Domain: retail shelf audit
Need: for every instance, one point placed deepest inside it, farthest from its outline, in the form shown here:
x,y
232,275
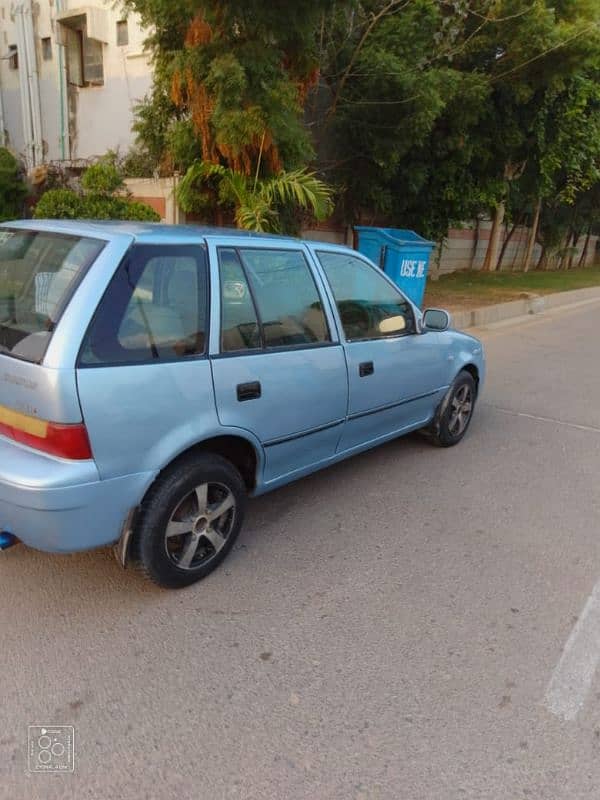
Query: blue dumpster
x,y
401,254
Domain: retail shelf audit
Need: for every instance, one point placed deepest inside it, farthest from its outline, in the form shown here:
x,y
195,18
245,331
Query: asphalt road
x,y
391,628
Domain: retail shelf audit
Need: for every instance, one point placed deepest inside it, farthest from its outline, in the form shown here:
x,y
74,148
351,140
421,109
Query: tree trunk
x,y
434,274
573,248
506,242
575,234
543,259
563,250
586,245
475,243
532,235
491,257
576,237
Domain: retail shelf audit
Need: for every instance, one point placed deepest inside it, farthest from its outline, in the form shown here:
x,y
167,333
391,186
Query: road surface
x,y
413,624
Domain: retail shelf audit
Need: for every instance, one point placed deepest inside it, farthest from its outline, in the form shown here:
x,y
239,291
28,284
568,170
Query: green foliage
x,y
153,117
97,200
257,202
440,112
102,178
568,142
59,204
236,76
137,163
427,113
140,212
181,145
13,189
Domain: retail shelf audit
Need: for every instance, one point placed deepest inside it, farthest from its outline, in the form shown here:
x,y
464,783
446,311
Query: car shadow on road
x,y
97,574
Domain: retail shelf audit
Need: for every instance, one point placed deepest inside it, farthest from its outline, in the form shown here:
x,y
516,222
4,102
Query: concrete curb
x,y
532,304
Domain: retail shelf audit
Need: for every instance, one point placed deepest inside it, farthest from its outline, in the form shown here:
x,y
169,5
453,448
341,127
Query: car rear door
x,y
396,375
143,374
279,369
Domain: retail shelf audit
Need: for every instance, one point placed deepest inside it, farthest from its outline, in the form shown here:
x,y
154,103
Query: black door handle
x,y
366,368
248,391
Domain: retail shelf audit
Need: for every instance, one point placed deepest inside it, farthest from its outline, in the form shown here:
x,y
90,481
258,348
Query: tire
x,y
189,520
449,425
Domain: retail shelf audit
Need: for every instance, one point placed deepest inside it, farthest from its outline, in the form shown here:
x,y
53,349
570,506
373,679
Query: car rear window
x,y
39,272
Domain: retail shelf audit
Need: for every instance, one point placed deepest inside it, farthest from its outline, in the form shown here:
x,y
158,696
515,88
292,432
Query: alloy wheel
x,y
200,525
461,408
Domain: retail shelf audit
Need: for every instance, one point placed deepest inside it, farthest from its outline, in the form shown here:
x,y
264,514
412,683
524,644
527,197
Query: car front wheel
x,y
189,520
455,413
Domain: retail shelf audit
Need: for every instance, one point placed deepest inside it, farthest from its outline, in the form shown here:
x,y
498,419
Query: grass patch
x,y
462,290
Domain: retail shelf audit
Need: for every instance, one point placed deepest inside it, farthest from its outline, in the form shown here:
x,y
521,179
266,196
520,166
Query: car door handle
x,y
248,391
366,368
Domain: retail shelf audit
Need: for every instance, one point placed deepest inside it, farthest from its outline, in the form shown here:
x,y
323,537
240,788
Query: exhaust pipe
x,y
7,540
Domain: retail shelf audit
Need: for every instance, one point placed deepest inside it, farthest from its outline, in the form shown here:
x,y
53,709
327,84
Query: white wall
x,y
101,117
105,113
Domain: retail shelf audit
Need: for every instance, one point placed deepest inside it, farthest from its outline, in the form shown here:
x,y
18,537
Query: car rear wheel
x,y
189,521
455,413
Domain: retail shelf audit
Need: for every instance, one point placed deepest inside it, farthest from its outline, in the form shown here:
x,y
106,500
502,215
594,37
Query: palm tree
x,y
256,201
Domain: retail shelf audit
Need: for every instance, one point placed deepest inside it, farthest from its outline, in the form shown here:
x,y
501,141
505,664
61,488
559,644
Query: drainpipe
x,y
34,84
62,91
2,129
24,88
176,209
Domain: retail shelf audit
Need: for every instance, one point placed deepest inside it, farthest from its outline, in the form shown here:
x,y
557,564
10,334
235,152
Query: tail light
x,y
65,441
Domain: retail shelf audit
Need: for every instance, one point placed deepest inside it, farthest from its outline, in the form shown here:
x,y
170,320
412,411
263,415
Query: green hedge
x,y
68,204
97,200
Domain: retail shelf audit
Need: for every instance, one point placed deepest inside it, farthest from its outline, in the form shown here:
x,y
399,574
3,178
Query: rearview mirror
x,y
436,319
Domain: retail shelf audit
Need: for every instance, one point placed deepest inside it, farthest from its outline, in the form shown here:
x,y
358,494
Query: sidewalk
x,y
532,304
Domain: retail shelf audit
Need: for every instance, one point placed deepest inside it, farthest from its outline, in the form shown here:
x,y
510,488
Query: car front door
x,y
278,369
397,376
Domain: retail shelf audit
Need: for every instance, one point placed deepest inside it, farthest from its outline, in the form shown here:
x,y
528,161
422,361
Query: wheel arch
x,y
473,371
236,449
239,450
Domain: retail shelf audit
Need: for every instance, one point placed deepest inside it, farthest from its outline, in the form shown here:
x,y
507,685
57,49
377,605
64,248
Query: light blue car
x,y
153,377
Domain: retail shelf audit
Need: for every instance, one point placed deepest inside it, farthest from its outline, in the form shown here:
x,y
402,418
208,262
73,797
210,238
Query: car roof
x,y
141,231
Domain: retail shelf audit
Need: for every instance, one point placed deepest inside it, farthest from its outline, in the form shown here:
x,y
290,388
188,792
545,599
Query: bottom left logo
x,y
51,748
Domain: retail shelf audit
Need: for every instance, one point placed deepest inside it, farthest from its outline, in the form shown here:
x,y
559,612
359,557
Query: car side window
x,y
369,307
289,307
155,308
239,322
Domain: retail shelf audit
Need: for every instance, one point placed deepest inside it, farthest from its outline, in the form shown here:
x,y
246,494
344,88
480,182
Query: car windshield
x,y
38,274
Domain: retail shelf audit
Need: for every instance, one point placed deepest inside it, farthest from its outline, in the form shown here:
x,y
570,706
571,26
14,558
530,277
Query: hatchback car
x,y
153,377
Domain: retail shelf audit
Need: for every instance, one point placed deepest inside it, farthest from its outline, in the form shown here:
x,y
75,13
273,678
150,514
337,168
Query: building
x,y
70,77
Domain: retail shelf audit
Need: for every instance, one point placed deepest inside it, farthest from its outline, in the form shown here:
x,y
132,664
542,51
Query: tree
x,y
569,161
230,81
399,113
435,108
229,90
425,113
13,189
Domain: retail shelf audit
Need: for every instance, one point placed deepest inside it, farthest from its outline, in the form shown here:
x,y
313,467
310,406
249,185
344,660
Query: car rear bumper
x,y
63,506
